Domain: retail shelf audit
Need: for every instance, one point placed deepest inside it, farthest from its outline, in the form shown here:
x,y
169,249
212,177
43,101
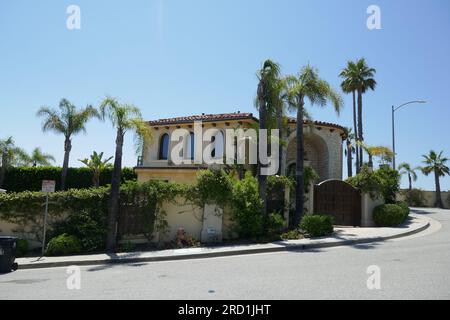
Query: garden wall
x,y
430,198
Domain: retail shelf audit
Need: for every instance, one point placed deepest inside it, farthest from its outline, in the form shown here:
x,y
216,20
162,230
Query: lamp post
x,y
393,125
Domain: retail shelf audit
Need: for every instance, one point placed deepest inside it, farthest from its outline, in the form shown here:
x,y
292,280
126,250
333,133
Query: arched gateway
x,y
340,200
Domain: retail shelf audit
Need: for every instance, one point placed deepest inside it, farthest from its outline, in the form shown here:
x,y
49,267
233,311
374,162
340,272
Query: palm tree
x,y
124,117
97,164
436,163
38,158
10,155
67,121
363,79
267,101
349,85
384,153
308,85
405,168
349,151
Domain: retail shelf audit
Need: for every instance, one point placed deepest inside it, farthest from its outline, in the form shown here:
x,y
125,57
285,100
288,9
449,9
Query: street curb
x,y
247,251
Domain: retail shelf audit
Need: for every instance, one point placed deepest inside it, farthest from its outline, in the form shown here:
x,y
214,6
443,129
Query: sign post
x,y
47,187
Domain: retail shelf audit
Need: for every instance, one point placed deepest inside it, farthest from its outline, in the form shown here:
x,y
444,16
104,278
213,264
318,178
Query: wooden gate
x,y
340,200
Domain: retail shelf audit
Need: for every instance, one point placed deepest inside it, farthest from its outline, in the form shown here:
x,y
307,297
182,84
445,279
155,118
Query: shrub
x,y
292,235
389,215
274,223
18,179
211,187
22,248
62,245
367,182
317,225
88,226
127,246
390,183
246,207
414,197
384,182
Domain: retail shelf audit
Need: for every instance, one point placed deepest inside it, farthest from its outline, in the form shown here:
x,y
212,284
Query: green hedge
x,y
85,210
18,179
317,225
390,215
62,245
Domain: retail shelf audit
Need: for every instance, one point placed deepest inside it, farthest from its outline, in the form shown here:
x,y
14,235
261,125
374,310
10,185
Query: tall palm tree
x,y
266,99
124,117
436,163
68,121
349,85
362,79
308,85
10,155
405,168
39,158
97,164
349,151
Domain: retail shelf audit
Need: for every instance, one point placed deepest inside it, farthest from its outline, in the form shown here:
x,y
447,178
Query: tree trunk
x,y
262,179
355,128
349,160
96,179
114,197
299,189
280,144
410,181
438,203
65,168
360,127
3,169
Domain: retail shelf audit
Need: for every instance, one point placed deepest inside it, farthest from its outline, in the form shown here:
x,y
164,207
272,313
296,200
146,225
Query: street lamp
x,y
393,125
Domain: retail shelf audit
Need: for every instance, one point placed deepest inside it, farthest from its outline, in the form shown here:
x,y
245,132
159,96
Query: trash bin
x,y
8,246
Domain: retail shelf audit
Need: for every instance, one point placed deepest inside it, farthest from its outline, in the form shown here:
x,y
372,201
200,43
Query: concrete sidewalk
x,y
341,237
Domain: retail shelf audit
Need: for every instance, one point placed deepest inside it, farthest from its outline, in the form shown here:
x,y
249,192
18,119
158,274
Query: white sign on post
x,y
48,186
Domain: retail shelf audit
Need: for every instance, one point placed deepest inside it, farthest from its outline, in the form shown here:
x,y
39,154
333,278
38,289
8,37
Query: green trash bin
x,y
8,247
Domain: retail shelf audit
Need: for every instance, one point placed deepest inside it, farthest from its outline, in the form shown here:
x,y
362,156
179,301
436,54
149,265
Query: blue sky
x,y
183,57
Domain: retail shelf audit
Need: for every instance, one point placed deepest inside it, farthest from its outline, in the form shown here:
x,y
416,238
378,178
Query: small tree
x,y
97,164
68,121
436,163
10,155
405,168
307,86
124,117
41,159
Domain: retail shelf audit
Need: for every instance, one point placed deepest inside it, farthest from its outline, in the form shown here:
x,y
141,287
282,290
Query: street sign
x,y
48,186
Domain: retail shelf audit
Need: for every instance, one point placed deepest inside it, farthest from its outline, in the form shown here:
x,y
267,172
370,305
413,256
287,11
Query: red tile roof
x,y
319,123
204,117
229,116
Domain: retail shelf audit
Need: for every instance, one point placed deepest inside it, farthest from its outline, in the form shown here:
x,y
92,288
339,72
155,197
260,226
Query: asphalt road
x,y
416,267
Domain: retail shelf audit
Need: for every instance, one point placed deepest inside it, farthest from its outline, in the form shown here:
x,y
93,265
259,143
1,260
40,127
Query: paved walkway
x,y
342,236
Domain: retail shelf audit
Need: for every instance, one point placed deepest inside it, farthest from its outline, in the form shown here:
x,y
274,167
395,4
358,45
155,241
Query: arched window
x,y
190,147
219,145
164,147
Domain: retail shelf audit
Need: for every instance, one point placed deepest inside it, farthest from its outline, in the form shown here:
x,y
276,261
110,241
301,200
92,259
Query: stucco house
x,y
323,146
323,152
